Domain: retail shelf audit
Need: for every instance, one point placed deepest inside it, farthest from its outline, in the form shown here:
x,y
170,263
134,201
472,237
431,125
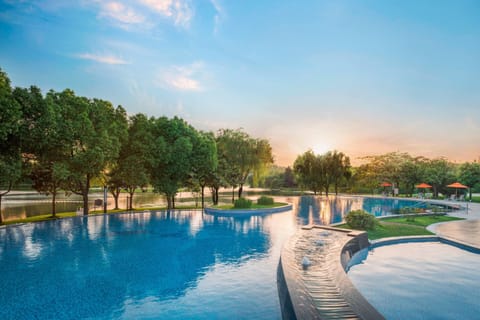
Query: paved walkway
x,y
464,231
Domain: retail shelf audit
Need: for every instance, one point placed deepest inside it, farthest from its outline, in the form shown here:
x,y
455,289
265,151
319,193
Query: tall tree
x,y
91,136
172,153
469,174
42,148
204,161
244,156
10,157
338,168
131,169
309,171
439,173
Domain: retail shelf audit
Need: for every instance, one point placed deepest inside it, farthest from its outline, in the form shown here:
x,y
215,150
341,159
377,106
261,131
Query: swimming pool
x,y
425,280
154,265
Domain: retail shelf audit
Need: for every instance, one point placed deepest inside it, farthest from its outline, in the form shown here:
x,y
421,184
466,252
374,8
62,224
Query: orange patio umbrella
x,y
386,184
457,185
423,186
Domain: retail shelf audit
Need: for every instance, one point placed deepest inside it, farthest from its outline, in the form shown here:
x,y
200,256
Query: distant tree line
x,y
62,142
405,171
319,173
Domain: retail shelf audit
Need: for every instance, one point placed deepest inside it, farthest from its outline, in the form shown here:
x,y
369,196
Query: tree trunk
x,y
212,190
1,216
336,189
216,196
85,203
233,194
169,202
115,198
326,189
173,201
240,190
131,199
54,211
203,196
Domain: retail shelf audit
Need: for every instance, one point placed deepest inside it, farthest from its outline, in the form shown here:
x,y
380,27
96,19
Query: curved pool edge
x,y
247,212
323,290
432,238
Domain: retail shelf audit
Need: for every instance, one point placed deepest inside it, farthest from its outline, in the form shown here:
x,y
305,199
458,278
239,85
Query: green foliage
x,y
264,200
241,155
359,219
10,138
242,203
410,218
317,172
469,174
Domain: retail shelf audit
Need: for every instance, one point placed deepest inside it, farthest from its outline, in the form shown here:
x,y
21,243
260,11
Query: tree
x,y
439,173
91,136
412,171
338,168
244,156
41,145
289,178
469,174
204,161
131,169
10,157
309,171
172,153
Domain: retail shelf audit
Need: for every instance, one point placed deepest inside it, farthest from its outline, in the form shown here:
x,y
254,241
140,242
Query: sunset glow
x,y
361,77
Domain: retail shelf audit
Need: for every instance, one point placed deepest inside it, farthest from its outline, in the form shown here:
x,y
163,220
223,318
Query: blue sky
x,y
362,77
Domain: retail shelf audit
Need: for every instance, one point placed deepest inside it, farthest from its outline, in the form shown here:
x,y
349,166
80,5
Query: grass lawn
x,y
404,226
254,206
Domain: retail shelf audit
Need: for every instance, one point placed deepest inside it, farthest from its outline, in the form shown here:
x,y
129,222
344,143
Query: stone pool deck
x,y
465,231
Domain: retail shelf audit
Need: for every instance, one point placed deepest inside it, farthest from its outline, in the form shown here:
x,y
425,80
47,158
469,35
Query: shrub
x,y
265,201
410,218
360,219
242,203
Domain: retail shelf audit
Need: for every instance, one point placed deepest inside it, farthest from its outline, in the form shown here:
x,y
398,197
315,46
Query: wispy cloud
x,y
121,13
180,11
183,78
219,15
107,59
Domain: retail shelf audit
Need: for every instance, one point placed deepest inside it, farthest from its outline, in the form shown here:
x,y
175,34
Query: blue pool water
x,y
428,280
178,265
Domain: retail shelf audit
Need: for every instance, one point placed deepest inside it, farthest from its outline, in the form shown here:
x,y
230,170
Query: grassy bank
x,y
48,217
254,206
404,226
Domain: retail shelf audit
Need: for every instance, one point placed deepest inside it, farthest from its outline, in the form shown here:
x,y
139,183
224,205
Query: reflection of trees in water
x,y
323,210
92,266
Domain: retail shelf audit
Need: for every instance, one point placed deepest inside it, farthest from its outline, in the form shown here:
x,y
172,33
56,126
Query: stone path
x,y
464,231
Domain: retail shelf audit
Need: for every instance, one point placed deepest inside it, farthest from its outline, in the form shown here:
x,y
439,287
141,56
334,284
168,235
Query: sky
x,y
363,77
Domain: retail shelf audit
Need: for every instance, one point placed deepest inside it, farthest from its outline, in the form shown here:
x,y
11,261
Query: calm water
x,y
428,280
179,265
17,206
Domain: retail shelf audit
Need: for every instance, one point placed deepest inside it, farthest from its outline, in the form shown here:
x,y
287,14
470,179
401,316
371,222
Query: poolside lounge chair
x,y
452,197
461,197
